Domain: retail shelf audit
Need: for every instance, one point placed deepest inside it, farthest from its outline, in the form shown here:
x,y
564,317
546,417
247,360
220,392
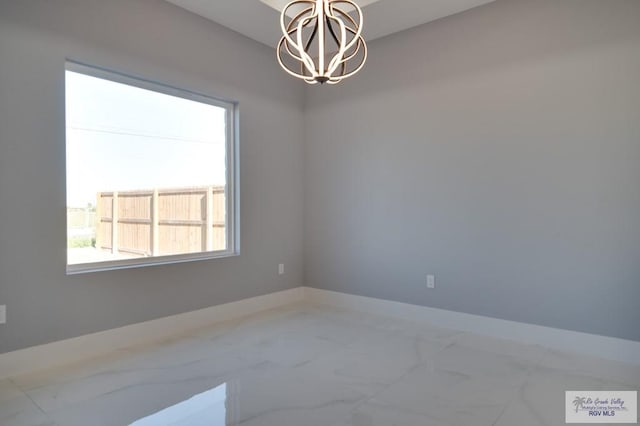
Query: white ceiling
x,y
278,5
257,20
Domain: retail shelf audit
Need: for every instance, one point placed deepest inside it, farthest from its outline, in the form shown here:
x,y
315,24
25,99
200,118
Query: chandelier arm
x,y
289,51
285,43
311,38
360,41
292,54
355,53
306,59
336,60
284,66
302,73
335,38
350,18
321,12
355,36
359,67
345,74
357,8
331,30
297,17
342,44
281,61
285,28
306,48
291,29
346,15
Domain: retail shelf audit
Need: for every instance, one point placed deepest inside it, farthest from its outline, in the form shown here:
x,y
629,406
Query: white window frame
x,y
232,173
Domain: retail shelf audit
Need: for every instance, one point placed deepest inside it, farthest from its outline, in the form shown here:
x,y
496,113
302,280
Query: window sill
x,y
83,268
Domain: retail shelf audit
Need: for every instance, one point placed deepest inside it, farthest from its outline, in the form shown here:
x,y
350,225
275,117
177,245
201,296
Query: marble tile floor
x,y
308,365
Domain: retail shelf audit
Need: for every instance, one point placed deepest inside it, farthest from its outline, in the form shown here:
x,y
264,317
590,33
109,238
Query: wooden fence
x,y
162,222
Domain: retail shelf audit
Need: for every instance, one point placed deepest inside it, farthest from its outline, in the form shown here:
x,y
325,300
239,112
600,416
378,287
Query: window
x,y
151,172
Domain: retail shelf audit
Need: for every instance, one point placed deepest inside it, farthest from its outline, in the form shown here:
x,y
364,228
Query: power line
x,y
143,135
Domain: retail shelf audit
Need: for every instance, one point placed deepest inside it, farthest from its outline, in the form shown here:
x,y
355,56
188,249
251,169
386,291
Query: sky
x,y
121,137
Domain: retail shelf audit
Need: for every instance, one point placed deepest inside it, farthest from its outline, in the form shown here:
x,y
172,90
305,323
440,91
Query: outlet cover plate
x,y
431,281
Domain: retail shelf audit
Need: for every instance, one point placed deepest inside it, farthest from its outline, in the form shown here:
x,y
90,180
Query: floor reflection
x,y
207,408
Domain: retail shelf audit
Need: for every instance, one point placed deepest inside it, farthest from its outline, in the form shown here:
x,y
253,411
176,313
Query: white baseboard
x,y
615,349
96,344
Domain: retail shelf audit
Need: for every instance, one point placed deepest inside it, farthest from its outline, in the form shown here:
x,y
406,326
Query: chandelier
x,y
322,42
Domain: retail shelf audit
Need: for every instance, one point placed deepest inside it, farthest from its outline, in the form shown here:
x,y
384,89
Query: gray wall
x,y
161,42
498,149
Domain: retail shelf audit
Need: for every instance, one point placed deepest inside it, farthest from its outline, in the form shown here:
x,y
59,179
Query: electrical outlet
x,y
431,281
281,269
3,314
